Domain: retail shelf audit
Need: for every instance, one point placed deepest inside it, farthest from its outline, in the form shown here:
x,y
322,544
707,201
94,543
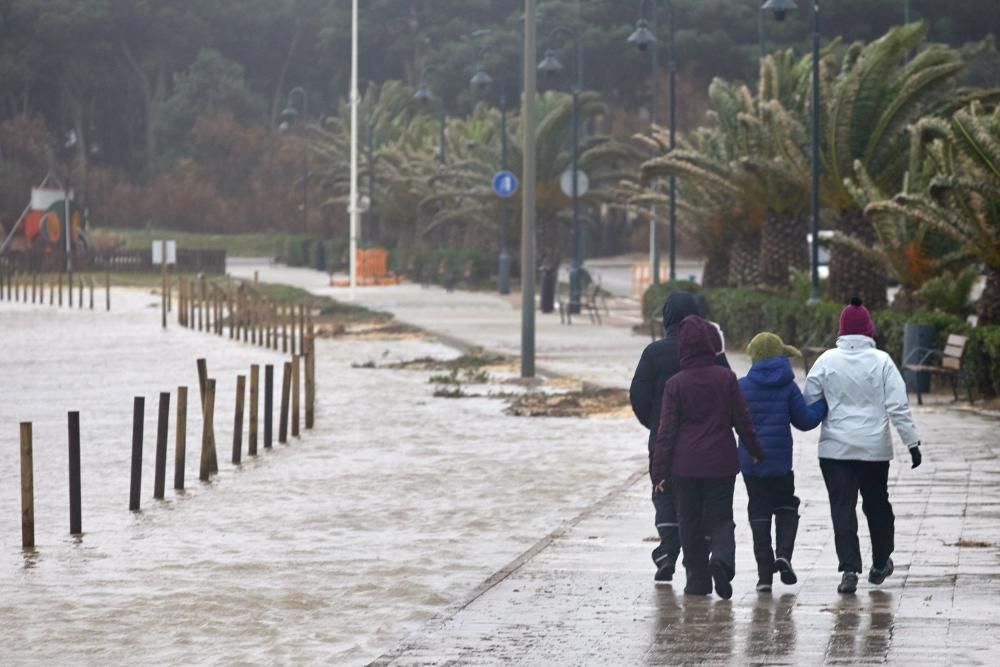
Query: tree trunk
x,y
744,262
716,271
783,246
852,274
989,302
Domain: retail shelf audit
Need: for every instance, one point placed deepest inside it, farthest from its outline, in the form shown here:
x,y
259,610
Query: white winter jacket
x,y
864,392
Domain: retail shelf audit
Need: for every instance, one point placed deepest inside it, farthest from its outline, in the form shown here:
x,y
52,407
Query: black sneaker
x,y
877,575
665,574
763,586
723,587
787,573
848,583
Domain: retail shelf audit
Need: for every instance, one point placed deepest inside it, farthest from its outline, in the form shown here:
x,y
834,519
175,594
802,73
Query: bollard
x,y
207,435
286,381
268,404
252,435
27,489
203,387
162,423
107,292
75,522
310,372
241,382
296,362
180,450
136,483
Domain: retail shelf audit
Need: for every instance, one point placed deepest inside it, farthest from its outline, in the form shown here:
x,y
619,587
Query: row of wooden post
x,y
251,317
209,465
30,288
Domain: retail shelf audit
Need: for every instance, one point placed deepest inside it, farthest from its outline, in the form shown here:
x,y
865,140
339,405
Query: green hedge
x,y
467,267
744,312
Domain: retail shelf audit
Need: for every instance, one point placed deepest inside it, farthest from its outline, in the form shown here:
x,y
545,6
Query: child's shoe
x,y
787,573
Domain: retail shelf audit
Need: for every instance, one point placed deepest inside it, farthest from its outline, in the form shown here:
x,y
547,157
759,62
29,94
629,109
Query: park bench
x,y
945,363
591,301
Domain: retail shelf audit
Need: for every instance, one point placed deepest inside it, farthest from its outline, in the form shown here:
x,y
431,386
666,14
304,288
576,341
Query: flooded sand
x,y
328,550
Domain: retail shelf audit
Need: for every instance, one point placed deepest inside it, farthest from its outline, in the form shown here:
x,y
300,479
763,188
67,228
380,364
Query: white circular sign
x,y
582,183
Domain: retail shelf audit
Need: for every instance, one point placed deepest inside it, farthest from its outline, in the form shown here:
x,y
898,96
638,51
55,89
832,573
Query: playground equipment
x,y
40,238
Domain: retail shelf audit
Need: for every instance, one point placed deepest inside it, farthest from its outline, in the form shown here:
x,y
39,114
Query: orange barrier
x,y
373,269
642,277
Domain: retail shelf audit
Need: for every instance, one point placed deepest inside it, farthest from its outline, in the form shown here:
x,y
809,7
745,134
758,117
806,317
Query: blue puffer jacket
x,y
775,403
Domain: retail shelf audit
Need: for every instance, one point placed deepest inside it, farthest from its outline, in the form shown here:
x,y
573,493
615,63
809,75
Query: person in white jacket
x,y
865,394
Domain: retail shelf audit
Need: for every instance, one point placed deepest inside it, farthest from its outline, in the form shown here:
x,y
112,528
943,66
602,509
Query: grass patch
x,y
239,245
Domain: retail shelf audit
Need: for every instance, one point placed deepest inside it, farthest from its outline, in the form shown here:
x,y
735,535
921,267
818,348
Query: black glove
x,y
915,455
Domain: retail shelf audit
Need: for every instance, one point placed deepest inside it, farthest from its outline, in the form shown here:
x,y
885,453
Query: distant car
x,y
824,252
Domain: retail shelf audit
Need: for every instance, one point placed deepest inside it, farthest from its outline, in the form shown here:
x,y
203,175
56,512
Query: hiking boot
x,y
877,575
848,583
787,573
665,574
723,587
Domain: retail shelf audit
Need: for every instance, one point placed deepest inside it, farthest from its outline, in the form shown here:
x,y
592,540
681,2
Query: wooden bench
x,y
949,364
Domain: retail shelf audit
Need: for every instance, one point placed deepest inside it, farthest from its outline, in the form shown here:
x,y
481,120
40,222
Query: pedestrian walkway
x,y
585,595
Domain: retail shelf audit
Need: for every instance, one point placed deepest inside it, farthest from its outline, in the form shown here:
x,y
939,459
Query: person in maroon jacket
x,y
695,452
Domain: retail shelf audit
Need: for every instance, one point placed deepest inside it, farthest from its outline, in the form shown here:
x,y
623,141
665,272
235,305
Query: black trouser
x,y
705,513
772,496
843,481
666,526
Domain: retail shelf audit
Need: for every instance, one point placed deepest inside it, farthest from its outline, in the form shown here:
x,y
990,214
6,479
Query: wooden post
x,y
80,300
60,290
207,432
75,522
34,286
268,404
286,381
213,459
296,362
254,386
310,379
107,292
302,328
294,341
232,316
27,489
52,293
91,284
180,450
162,423
252,316
135,487
245,307
283,313
241,383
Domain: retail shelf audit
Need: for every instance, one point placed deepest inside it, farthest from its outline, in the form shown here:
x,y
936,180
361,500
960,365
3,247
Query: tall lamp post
x,y
481,82
528,203
780,9
289,118
425,96
550,66
644,38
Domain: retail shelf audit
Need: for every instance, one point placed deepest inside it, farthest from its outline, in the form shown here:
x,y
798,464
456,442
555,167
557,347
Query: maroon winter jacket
x,y
701,406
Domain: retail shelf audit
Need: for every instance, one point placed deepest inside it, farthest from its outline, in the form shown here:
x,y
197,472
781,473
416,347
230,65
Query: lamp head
x,y
481,81
779,8
550,65
423,93
643,37
288,117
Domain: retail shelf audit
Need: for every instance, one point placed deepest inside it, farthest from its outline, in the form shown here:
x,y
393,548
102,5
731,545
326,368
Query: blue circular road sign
x,y
505,184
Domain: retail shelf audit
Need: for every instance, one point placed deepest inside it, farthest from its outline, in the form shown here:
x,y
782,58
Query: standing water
x,y
327,550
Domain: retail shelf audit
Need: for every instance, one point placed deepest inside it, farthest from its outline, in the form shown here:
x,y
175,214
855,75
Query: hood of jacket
x,y
855,342
699,342
773,372
678,306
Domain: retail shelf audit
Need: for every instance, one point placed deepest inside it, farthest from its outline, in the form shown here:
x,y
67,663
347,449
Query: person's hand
x,y
915,456
661,487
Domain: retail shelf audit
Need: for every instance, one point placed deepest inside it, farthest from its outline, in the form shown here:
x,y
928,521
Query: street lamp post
x,y
644,39
550,66
288,118
425,96
780,9
481,82
528,204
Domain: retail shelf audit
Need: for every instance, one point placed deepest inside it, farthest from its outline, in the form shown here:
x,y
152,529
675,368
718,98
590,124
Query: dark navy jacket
x,y
776,404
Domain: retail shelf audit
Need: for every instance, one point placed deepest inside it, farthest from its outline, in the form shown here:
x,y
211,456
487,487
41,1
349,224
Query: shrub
x,y
982,360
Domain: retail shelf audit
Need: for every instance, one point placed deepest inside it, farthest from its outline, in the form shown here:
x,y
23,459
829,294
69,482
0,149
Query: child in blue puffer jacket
x,y
775,403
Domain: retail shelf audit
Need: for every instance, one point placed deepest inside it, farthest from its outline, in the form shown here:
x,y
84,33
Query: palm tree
x,y
963,199
876,95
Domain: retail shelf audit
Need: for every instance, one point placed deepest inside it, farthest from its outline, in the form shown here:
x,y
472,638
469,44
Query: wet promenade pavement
x,y
585,596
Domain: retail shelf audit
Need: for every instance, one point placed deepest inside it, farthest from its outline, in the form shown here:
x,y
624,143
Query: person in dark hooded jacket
x,y
659,362
776,404
695,450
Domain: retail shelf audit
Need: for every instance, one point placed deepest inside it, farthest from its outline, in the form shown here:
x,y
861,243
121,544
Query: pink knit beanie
x,y
855,320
